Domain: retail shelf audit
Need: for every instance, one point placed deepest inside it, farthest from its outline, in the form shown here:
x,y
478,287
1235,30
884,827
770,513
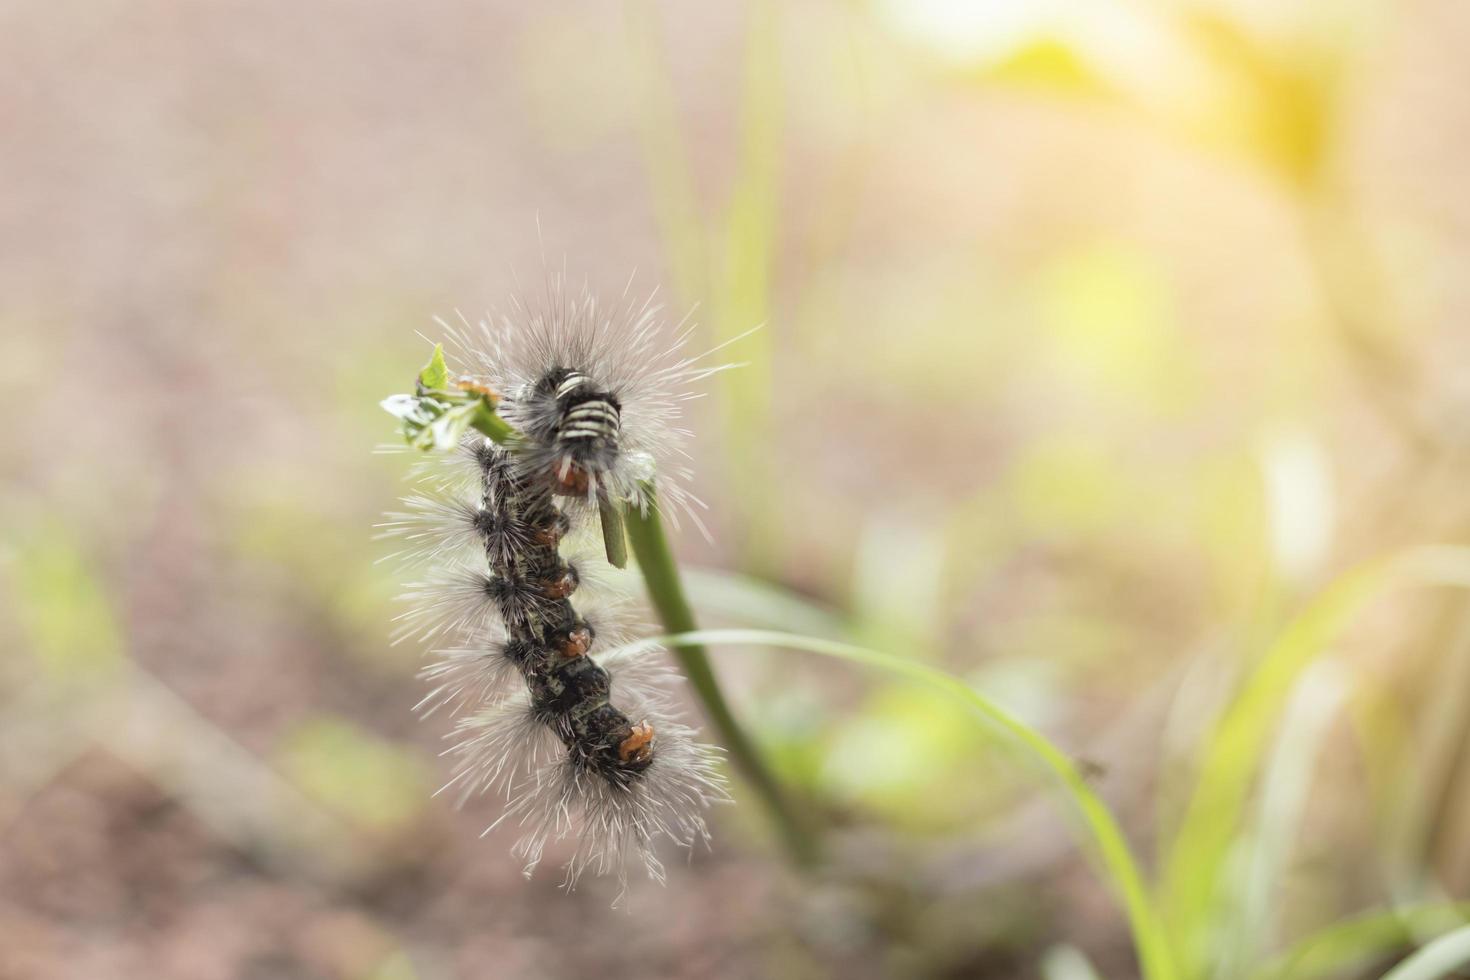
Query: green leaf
x,y
435,375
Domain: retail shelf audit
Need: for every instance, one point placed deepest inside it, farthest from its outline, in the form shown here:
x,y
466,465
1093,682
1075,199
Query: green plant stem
x,y
666,591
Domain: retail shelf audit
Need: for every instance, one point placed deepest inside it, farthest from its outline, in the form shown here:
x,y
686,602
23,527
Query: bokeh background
x,y
1101,341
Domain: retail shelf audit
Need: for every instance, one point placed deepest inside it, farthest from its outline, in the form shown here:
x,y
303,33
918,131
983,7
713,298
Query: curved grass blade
x,y
1112,850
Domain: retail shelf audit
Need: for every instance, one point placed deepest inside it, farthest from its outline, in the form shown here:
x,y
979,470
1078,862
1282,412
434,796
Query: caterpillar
x,y
577,742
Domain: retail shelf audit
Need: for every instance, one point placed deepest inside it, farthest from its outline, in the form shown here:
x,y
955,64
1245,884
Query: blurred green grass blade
x,y
1196,859
750,215
1386,743
743,288
1354,942
1426,765
1118,865
1230,757
1287,785
729,264
1439,959
669,179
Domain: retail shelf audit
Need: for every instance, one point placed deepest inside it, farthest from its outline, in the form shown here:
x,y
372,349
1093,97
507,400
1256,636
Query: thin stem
x,y
666,592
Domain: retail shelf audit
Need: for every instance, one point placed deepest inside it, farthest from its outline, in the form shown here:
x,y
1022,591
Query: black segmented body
x,y
548,642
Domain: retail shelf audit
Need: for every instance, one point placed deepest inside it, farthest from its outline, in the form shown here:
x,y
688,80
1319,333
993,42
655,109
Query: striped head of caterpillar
x,y
583,425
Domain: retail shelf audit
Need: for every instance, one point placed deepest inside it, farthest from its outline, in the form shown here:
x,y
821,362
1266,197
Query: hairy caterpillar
x,y
574,742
